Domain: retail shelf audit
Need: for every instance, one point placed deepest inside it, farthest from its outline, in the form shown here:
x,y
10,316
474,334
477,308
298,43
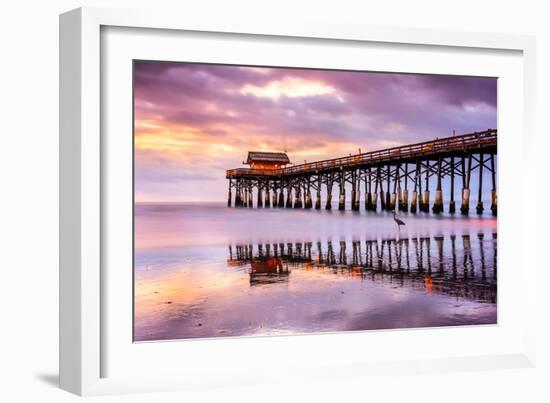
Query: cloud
x,y
204,118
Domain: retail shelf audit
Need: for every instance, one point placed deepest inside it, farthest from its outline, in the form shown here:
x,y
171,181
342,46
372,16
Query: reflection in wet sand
x,y
209,271
405,262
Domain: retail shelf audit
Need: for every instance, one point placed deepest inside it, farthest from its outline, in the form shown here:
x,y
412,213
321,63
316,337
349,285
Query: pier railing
x,y
440,146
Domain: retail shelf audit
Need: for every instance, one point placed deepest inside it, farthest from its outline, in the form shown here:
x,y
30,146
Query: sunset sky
x,y
194,121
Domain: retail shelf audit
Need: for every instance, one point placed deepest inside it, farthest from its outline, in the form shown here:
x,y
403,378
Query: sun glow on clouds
x,y
192,122
288,87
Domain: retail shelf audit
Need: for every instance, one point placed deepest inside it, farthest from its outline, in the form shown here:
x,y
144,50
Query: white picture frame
x,y
83,178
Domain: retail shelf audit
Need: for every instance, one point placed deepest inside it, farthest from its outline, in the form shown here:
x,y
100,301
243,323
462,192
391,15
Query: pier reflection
x,y
463,266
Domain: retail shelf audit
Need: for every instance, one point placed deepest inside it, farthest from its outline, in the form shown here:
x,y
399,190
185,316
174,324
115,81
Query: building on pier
x,y
266,160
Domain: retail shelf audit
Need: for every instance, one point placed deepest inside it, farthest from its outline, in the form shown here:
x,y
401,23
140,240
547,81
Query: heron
x,y
397,221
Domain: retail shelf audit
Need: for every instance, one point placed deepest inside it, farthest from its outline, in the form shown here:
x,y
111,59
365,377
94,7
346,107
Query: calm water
x,y
208,271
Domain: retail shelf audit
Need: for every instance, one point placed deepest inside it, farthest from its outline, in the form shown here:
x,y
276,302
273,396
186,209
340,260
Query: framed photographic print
x,y
239,198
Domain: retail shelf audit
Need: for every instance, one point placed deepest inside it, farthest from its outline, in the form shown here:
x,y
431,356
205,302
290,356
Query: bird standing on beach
x,y
397,221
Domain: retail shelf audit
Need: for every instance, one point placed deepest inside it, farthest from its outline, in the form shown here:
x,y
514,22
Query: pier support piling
x,y
494,188
288,196
479,207
404,197
318,196
388,195
438,202
466,174
274,199
298,197
414,199
342,197
452,206
355,184
330,183
426,198
368,197
308,204
259,200
267,203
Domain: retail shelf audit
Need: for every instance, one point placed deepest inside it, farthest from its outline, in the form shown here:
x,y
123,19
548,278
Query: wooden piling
x,y
259,202
452,206
479,207
396,186
342,197
388,196
404,205
466,174
267,203
426,204
414,199
368,196
318,197
288,195
274,198
308,204
382,194
330,183
438,202
354,190
374,204
494,188
298,196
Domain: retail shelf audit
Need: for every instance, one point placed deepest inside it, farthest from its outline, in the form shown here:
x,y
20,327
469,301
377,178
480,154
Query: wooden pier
x,y
390,179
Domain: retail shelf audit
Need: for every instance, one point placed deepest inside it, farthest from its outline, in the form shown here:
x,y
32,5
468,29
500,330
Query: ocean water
x,y
205,270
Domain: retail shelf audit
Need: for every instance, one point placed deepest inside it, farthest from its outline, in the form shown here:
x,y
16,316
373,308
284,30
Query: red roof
x,y
264,156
